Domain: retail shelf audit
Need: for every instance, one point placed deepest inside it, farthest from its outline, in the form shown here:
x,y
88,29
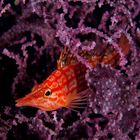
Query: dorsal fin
x,y
103,53
66,58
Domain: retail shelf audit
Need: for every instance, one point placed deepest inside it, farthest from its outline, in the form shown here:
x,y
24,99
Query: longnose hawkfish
x,y
67,86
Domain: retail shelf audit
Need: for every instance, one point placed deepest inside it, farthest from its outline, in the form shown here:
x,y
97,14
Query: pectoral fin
x,y
66,58
76,101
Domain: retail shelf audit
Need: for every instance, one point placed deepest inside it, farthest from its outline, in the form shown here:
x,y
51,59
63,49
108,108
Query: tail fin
x,y
110,55
105,54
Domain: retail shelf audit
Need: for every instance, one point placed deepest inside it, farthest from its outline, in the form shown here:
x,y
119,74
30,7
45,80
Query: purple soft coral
x,y
33,33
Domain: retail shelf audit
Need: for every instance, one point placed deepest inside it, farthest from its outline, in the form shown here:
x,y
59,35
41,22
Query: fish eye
x,y
47,93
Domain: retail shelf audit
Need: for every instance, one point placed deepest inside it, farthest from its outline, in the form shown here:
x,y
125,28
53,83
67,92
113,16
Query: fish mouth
x,y
25,101
21,103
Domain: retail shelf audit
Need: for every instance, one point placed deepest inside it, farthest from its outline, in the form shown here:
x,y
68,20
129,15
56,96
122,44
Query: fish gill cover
x,y
32,35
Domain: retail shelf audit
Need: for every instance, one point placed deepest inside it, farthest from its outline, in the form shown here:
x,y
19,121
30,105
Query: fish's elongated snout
x,y
19,103
25,101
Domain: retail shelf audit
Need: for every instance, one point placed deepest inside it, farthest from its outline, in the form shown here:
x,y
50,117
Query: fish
x,y
59,90
66,87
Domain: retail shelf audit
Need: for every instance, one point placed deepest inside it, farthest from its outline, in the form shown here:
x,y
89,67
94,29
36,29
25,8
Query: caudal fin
x,y
109,55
